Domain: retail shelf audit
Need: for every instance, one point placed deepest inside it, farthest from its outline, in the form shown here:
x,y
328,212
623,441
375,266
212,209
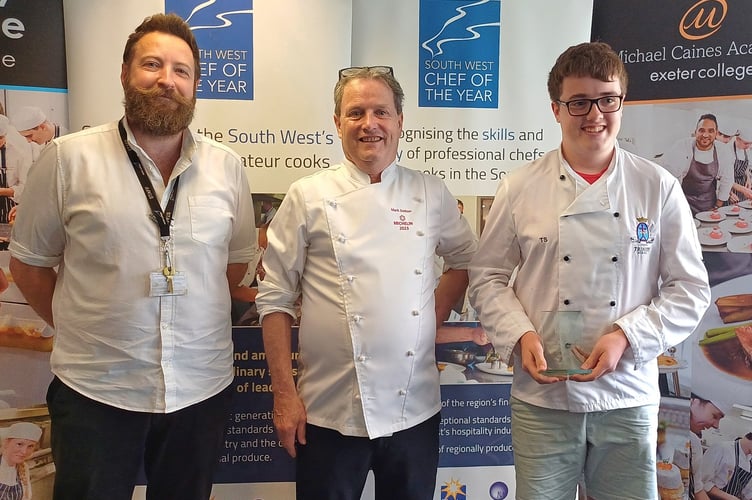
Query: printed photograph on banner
x,y
33,112
224,33
705,145
721,358
465,354
459,54
244,311
672,449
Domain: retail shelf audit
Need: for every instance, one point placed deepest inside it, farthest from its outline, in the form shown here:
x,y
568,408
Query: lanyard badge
x,y
166,281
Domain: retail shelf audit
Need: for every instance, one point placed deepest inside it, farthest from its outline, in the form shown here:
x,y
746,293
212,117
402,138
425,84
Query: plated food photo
x,y
740,245
713,236
711,216
736,225
723,355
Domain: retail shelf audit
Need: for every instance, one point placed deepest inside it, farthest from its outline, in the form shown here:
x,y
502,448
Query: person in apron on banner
x,y
704,166
742,189
727,471
13,168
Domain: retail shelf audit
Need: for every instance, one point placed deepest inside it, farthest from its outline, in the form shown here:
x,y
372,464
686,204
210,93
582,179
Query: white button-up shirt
x,y
85,211
622,251
362,255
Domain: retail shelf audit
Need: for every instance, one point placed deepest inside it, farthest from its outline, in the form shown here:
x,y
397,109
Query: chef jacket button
x,y
614,258
566,302
420,233
361,358
616,214
333,204
411,353
402,392
419,271
357,318
415,312
612,303
350,278
341,238
562,177
566,258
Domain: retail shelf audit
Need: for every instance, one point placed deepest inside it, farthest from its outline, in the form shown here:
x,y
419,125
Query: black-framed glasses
x,y
581,107
379,70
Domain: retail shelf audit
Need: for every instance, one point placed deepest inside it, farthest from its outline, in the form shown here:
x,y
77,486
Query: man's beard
x,y
146,110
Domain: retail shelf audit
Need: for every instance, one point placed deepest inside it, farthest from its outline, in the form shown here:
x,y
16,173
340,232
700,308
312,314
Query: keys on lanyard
x,y
168,270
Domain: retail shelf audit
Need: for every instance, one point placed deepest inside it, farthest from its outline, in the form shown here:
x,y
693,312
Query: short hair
x,y
594,59
368,73
172,24
707,116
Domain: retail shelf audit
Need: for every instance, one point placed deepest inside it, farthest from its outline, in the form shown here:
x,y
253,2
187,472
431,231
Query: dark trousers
x,y
99,449
334,467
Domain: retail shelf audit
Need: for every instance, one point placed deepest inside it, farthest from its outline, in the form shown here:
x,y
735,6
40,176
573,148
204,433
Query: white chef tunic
x,y
362,255
622,251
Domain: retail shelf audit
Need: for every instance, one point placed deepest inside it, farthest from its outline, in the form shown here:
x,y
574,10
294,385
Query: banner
x,y
33,97
688,108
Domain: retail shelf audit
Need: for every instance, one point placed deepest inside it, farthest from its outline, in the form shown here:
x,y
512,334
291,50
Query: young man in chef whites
x,y
357,241
587,284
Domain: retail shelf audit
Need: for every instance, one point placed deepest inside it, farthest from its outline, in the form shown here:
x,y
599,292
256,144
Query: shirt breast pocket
x,y
211,220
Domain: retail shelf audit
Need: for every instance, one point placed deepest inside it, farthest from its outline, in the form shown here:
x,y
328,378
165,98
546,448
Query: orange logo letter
x,y
696,24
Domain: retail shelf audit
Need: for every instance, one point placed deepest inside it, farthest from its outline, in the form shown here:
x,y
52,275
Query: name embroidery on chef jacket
x,y
401,221
643,239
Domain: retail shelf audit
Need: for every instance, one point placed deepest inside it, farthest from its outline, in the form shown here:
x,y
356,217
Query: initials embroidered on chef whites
x,y
643,239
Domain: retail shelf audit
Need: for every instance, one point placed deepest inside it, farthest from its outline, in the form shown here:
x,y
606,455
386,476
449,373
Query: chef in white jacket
x,y
357,243
609,275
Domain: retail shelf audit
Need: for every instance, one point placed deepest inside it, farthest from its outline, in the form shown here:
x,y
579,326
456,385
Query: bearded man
x,y
138,232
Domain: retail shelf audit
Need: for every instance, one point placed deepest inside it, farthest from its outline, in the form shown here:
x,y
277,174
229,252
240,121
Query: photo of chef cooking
x,y
464,354
708,152
704,443
244,297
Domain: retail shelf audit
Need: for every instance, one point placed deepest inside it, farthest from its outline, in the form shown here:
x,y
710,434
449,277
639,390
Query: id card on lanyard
x,y
167,280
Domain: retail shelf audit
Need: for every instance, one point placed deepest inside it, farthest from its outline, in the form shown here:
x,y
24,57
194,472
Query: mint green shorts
x,y
614,451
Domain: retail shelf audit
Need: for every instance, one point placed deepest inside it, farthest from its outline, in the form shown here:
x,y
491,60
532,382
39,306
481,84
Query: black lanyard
x,y
163,218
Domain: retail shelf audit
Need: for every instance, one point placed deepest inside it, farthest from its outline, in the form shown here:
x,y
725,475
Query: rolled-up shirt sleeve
x,y
285,256
38,237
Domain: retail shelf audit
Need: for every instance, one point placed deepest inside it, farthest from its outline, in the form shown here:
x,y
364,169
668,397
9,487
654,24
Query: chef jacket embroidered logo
x,y
643,239
401,221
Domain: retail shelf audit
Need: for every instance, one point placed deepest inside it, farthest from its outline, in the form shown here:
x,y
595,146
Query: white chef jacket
x,y
718,466
17,164
677,159
89,216
697,451
362,255
622,251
